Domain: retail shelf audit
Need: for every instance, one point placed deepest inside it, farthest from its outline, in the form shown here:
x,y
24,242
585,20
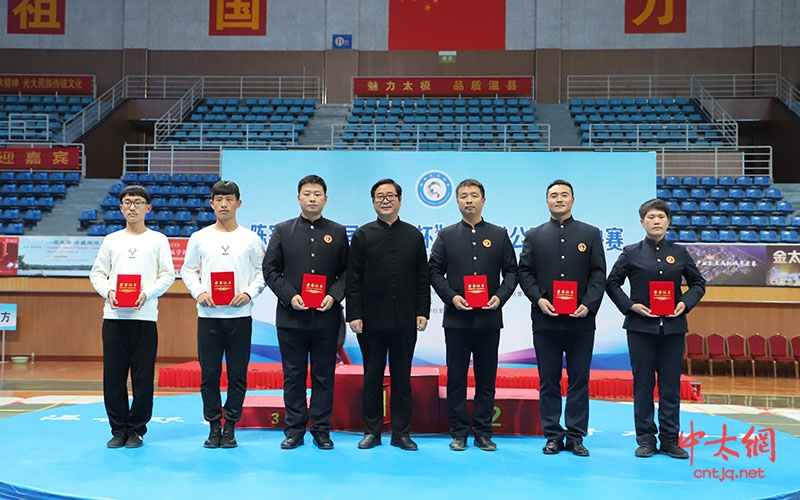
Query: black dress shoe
x,y
553,446
369,441
646,450
404,443
323,441
673,449
118,441
577,448
292,442
485,443
458,444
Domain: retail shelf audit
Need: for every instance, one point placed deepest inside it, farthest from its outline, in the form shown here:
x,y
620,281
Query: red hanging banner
x,y
36,17
655,16
46,84
40,159
237,18
440,86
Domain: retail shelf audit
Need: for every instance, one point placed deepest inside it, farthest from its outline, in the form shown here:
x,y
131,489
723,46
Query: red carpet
x,y
603,384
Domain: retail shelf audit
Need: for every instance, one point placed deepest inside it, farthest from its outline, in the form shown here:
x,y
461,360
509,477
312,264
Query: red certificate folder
x,y
476,291
128,287
565,296
222,288
662,298
313,291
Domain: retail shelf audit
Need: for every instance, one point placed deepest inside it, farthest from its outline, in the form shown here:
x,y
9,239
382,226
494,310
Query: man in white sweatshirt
x,y
132,269
222,270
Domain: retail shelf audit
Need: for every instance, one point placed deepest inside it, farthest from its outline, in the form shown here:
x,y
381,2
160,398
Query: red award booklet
x,y
222,288
662,298
128,286
476,291
313,291
565,296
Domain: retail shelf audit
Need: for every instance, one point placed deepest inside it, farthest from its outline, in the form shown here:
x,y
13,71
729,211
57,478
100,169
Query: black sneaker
x,y
458,444
214,435
118,441
134,440
672,449
646,450
228,439
485,443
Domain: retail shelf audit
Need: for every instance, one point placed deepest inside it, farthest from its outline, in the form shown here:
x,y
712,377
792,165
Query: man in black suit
x,y
563,249
388,302
308,244
472,247
655,343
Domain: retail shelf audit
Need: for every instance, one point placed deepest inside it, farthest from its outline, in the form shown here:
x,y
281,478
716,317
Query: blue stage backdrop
x,y
609,187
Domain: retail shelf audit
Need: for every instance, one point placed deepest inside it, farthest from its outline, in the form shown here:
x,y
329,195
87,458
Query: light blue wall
x,y
309,25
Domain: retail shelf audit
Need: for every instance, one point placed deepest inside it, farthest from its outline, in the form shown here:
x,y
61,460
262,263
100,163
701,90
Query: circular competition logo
x,y
434,189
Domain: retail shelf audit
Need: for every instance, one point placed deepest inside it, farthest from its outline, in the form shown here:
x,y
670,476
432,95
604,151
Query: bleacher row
x,y
647,122
445,124
728,209
36,117
25,197
180,204
254,122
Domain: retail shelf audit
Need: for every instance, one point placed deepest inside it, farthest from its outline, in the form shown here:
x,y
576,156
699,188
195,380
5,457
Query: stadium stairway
x,y
563,132
63,221
318,131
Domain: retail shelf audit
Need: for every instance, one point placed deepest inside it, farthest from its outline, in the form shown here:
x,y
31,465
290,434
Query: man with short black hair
x,y
569,253
299,249
224,259
388,302
472,248
136,260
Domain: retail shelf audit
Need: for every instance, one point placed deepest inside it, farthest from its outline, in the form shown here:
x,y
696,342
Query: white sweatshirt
x,y
147,254
210,250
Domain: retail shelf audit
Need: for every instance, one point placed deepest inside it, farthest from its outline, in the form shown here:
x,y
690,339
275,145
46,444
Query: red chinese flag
x,y
313,291
662,298
476,291
127,292
447,24
565,296
222,288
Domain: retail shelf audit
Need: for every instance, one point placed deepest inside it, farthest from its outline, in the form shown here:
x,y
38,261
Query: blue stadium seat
x,y
778,221
773,194
708,206
769,236
171,231
718,194
673,181
210,178
663,193
708,181
175,203
761,181
748,236
727,207
690,181
736,193
183,217
754,193
699,194
747,206
765,206
689,206
709,236
785,207
680,194
32,217
164,216
15,229
205,218
187,230
744,180
699,221
740,221
726,180
720,221
680,221
687,236
790,236
671,235
97,230
728,236
759,221
673,206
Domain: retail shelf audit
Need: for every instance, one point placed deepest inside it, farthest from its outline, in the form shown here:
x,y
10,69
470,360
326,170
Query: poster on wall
x,y
515,184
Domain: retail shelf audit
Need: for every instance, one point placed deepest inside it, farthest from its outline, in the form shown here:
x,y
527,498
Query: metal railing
x,y
672,135
238,87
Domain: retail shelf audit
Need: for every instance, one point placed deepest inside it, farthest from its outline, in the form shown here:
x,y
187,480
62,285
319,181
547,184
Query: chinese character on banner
x,y
655,16
237,18
36,17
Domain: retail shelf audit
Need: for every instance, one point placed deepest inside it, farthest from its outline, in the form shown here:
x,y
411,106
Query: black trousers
x,y
296,346
656,355
129,346
375,344
482,345
577,346
231,337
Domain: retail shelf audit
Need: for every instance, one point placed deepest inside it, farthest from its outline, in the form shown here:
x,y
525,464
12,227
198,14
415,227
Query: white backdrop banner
x,y
609,187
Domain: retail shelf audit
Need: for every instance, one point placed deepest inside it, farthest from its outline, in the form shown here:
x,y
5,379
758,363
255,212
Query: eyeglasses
x,y
135,203
380,198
